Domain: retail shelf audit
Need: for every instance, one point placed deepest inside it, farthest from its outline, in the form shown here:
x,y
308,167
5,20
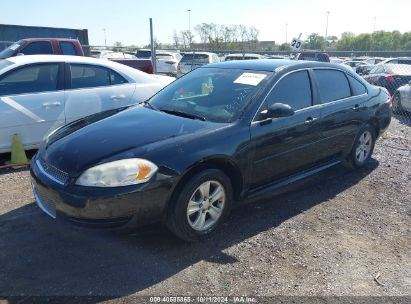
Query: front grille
x,y
52,172
44,202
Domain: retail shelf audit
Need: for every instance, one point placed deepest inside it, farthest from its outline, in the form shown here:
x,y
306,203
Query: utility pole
x,y
189,27
105,38
153,50
326,29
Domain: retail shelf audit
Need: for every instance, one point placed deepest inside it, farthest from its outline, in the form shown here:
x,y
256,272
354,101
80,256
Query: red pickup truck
x,y
63,46
34,46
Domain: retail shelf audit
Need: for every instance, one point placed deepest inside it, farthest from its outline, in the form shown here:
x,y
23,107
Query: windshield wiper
x,y
183,114
146,103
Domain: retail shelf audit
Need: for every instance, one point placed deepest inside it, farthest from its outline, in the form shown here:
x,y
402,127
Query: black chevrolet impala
x,y
221,134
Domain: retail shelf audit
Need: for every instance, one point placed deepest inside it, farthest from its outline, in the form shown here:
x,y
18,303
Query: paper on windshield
x,y
250,78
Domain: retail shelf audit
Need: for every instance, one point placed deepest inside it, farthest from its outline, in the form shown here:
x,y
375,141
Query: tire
x,y
362,149
396,103
205,215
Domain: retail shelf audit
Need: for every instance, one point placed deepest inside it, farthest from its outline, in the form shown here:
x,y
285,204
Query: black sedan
x,y
221,134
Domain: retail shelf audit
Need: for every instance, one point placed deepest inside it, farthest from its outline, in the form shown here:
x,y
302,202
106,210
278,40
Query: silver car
x,y
402,98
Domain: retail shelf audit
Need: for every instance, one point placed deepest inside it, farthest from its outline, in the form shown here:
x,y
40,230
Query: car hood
x,y
101,138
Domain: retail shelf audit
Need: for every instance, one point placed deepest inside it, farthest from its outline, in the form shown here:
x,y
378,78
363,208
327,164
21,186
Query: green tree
x,y
314,42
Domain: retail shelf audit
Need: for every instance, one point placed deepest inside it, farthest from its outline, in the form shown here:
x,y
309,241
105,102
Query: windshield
x,y
212,94
9,51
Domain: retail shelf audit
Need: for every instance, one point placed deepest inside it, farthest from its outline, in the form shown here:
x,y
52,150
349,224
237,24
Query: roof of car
x,y
269,65
52,58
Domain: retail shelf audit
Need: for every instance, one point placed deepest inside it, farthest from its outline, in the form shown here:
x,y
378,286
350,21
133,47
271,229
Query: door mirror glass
x,y
277,110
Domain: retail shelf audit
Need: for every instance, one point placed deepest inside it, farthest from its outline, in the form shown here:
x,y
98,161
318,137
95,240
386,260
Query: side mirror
x,y
278,110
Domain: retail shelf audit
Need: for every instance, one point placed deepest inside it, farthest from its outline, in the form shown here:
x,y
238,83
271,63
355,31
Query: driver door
x,y
284,146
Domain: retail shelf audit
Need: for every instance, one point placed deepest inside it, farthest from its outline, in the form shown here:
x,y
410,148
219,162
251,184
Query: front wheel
x,y
362,149
203,203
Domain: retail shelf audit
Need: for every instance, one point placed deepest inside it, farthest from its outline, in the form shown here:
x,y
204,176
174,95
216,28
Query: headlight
x,y
118,173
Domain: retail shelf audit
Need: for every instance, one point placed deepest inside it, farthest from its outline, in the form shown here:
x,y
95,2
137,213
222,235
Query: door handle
x,y
356,107
51,104
310,120
117,97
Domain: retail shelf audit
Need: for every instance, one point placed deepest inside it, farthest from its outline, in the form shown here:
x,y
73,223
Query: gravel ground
x,y
330,235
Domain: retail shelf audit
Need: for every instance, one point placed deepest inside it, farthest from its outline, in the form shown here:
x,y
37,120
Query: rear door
x,y
284,146
342,98
31,103
93,89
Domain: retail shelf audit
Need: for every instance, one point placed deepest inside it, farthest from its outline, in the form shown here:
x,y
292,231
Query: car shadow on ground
x,y
41,257
404,118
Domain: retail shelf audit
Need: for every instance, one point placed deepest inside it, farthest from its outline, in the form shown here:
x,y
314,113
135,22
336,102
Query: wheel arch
x,y
224,164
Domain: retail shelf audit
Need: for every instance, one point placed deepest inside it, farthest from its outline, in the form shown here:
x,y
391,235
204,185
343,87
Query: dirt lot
x,y
331,235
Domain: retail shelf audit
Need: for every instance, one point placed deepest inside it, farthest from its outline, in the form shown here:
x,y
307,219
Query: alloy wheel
x,y
206,205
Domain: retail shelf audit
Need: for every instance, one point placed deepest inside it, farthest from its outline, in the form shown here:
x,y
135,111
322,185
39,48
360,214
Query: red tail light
x,y
178,67
390,78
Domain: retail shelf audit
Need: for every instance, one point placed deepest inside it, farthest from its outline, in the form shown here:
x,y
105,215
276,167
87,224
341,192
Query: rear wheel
x,y
203,203
362,149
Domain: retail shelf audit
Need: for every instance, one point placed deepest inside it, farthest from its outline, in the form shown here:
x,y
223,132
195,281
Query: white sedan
x,y
40,93
402,99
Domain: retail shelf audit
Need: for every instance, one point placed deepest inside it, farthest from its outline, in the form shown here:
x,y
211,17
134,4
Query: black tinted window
x,y
40,47
68,48
116,78
30,79
332,84
356,86
87,76
294,90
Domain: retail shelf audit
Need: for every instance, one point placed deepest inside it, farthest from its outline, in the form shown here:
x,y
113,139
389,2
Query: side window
x,y
88,76
116,78
40,47
294,90
332,85
68,48
30,79
356,86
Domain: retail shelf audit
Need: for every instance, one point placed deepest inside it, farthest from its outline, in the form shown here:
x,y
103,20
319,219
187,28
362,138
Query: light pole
x,y
189,27
189,20
326,29
105,38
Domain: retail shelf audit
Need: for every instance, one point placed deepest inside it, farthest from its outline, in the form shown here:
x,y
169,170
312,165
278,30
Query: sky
x,y
127,21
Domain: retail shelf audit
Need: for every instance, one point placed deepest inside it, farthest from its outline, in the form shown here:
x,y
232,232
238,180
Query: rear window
x,y
38,47
143,54
67,48
313,57
201,58
398,69
356,86
164,56
332,84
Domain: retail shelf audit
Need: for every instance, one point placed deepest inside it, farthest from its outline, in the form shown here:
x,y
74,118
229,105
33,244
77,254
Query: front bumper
x,y
101,207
